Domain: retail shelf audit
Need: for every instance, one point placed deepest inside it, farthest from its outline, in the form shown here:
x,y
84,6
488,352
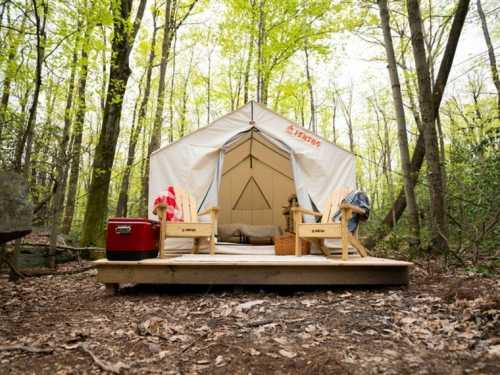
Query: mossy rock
x,y
16,210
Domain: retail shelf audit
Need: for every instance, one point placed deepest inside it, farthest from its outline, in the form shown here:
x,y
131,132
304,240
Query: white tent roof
x,y
194,162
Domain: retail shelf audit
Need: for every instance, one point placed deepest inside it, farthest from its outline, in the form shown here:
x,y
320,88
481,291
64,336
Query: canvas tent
x,y
248,162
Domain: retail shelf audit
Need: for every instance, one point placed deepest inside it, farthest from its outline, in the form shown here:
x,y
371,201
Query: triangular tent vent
x,y
251,198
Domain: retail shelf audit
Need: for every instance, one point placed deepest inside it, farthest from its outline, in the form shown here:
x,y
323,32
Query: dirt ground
x,y
66,324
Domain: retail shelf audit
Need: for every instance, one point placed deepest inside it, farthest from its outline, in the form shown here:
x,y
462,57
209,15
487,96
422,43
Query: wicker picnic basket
x,y
285,245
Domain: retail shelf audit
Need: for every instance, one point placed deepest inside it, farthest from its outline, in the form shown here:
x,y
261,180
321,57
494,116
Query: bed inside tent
x,y
249,163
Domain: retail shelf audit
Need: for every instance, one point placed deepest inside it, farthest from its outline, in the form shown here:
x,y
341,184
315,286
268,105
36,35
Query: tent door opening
x,y
257,180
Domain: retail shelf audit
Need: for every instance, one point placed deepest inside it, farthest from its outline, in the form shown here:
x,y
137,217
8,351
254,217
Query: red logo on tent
x,y
296,132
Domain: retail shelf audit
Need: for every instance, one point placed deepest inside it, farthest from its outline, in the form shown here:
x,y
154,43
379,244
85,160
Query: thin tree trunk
x,y
334,117
260,44
312,122
209,87
10,65
77,136
491,54
397,97
25,143
41,153
334,131
347,112
121,206
165,52
417,159
438,213
104,67
266,79
4,103
246,76
185,97
61,162
171,94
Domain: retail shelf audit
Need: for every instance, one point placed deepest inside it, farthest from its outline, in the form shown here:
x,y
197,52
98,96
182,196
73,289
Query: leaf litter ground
x,y
66,324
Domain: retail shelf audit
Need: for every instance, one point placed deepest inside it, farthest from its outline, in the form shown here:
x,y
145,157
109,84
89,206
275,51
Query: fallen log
x,y
63,247
41,273
25,348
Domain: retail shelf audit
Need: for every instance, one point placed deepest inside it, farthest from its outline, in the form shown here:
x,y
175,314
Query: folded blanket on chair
x,y
174,211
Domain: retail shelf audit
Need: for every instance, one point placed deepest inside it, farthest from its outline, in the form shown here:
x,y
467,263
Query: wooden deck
x,y
254,269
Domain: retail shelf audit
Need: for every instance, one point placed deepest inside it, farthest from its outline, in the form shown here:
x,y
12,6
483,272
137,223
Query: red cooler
x,y
132,238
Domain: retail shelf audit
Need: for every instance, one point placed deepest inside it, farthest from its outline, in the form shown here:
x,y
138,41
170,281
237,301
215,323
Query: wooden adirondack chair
x,y
191,227
327,229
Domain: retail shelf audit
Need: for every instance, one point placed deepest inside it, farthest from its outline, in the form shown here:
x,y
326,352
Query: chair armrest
x,y
306,211
355,209
209,210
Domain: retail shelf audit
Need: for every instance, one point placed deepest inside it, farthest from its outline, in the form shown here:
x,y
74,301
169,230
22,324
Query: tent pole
x,y
251,113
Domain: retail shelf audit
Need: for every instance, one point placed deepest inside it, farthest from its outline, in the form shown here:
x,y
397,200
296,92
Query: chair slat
x,y
186,212
192,208
327,212
334,203
337,197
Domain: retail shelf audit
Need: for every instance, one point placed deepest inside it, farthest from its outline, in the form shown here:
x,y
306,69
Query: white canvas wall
x,y
195,161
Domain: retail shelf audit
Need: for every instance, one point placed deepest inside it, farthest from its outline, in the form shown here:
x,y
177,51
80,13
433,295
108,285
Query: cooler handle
x,y
123,229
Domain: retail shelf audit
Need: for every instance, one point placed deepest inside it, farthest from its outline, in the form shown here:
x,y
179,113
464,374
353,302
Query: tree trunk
x,y
24,145
185,97
97,203
439,225
347,109
77,135
62,161
246,75
334,118
121,206
312,122
104,67
411,201
7,82
491,54
417,159
265,87
209,87
172,92
4,103
260,54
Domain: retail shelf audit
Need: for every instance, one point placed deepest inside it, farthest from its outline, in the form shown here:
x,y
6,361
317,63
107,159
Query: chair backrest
x,y
187,204
333,203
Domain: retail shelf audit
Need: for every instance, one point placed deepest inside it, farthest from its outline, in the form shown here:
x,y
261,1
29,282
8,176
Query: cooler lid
x,y
131,220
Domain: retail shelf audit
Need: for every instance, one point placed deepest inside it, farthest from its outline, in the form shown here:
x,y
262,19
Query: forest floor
x,y
66,324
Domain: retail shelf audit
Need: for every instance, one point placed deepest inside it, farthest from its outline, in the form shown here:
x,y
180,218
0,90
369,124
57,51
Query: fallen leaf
x,y
248,305
287,354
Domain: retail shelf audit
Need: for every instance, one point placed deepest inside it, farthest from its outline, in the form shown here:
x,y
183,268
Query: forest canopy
x,y
89,88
